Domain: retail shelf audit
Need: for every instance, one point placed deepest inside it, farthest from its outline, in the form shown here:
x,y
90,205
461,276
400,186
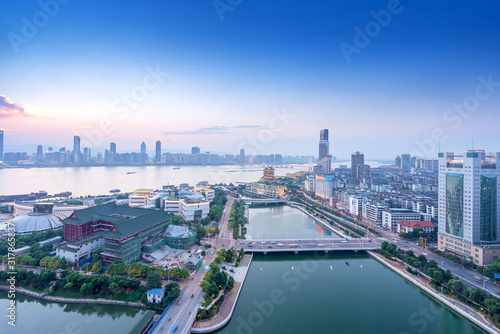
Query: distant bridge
x,y
263,201
308,245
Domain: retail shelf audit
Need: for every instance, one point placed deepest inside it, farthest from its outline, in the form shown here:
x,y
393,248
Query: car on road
x,y
255,243
175,328
280,244
263,242
212,253
273,242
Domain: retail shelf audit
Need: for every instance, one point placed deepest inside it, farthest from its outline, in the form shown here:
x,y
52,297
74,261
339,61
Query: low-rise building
x,y
391,217
179,237
406,226
155,295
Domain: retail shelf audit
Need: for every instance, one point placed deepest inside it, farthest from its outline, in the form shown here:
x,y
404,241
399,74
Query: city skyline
x,y
417,93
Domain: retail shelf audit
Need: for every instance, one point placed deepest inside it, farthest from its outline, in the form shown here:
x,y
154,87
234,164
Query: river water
x,y
41,317
345,293
82,181
284,222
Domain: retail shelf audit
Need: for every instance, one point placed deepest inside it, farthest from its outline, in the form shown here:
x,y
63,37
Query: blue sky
x,y
222,82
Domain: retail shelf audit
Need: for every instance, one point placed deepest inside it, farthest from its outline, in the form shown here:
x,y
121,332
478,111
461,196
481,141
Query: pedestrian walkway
x,y
423,283
227,308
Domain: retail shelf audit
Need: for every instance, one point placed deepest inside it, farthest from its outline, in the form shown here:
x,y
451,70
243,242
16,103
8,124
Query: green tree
x,y
44,261
87,289
96,267
153,280
96,254
114,288
68,286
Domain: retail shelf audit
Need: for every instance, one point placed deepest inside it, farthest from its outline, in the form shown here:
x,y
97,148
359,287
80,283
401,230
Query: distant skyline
x,y
187,74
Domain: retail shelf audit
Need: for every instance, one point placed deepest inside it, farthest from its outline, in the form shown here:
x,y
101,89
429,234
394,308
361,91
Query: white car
x,y
263,242
273,242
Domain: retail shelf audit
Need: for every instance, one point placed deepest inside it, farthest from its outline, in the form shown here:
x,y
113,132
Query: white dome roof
x,y
36,222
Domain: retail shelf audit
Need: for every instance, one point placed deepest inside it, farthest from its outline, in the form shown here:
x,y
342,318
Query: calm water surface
x,y
342,293
281,222
42,317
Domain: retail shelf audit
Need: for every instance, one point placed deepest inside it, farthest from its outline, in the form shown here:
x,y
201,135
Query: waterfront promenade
x,y
422,283
230,300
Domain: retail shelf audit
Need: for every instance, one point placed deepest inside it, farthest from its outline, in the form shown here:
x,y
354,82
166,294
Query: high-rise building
x,y
39,153
397,162
195,150
76,149
324,145
469,193
158,152
143,148
357,159
112,148
242,155
1,145
405,161
87,155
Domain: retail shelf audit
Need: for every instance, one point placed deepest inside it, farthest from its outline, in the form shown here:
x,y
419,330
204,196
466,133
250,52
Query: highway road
x,y
183,312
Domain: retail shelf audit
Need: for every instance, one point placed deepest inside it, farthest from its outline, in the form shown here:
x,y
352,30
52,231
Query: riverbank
x,y
421,283
227,309
72,300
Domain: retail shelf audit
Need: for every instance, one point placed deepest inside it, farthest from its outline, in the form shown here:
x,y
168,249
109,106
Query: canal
x,y
42,317
284,222
336,293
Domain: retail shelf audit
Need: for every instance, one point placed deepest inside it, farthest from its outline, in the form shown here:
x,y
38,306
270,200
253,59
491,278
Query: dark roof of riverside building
x,y
126,220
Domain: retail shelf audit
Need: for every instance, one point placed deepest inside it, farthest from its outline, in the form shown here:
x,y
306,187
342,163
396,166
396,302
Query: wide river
x,y
83,181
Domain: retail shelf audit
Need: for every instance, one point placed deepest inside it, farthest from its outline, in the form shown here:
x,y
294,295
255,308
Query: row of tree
x,y
237,219
30,239
445,280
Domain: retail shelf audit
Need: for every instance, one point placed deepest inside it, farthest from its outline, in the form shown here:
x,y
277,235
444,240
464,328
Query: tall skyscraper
x,y
324,145
143,148
357,159
76,149
1,145
469,190
87,155
242,155
195,150
405,161
158,152
397,162
39,153
112,148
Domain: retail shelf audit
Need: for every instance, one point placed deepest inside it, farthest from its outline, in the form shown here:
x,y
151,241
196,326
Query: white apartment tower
x,y
469,190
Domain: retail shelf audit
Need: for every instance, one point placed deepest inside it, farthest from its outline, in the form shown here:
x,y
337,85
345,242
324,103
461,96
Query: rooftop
x,y
178,231
414,224
158,292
